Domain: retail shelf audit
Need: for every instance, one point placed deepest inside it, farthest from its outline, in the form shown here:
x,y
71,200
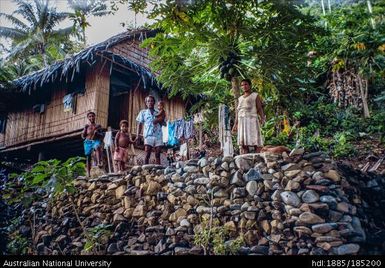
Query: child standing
x,y
122,142
92,135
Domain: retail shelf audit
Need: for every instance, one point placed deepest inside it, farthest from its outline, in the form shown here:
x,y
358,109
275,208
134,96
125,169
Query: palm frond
x,y
25,9
101,13
19,48
15,21
11,33
63,32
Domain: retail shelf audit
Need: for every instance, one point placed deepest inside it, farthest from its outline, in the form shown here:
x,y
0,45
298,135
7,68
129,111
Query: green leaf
x,y
37,169
71,189
88,246
39,178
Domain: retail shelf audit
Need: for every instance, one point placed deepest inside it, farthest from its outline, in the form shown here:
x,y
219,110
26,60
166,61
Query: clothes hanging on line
x,y
172,140
69,102
179,128
165,133
225,130
108,141
189,131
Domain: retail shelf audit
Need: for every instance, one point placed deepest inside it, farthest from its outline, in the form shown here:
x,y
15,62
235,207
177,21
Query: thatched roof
x,y
67,69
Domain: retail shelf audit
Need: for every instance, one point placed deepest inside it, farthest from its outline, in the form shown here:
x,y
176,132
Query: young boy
x,y
122,142
92,135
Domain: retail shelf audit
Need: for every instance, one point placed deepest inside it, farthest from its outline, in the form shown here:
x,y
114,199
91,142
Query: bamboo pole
x,y
364,95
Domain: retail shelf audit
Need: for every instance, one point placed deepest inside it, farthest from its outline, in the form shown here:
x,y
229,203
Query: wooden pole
x,y
108,160
200,136
108,152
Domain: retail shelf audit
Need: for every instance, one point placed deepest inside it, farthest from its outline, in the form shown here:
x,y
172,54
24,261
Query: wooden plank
x,y
45,140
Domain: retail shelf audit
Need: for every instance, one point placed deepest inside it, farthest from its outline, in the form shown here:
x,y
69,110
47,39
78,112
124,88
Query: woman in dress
x,y
249,119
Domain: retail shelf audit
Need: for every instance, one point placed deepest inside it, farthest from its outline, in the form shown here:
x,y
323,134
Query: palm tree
x,y
33,28
138,6
23,67
82,10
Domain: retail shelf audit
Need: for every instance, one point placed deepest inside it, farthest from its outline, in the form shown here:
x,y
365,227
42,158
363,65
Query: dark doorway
x,y
121,84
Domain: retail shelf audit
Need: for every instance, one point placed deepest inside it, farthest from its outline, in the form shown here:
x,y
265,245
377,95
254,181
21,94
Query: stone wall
x,y
279,204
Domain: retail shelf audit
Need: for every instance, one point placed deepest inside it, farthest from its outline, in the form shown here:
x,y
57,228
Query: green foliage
x,y
355,39
53,176
34,29
342,147
96,237
376,124
270,37
271,133
17,244
322,126
82,10
211,237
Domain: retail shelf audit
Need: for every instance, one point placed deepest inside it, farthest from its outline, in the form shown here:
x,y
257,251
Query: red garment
x,y
121,154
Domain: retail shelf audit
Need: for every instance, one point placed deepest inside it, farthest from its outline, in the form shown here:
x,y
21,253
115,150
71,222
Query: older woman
x,y
249,118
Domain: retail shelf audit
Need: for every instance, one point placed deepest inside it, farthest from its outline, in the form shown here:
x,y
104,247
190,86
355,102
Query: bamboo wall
x,y
98,81
131,50
28,126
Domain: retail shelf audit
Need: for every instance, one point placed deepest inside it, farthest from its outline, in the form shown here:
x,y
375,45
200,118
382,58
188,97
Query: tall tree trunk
x,y
371,12
324,11
84,37
329,6
363,84
43,54
235,90
323,7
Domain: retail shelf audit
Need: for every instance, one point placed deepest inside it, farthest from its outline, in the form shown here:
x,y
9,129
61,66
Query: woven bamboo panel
x,y
132,51
100,84
28,125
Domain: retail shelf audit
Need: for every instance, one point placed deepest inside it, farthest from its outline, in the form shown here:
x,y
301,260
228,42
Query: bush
x,y
211,237
96,237
342,147
50,176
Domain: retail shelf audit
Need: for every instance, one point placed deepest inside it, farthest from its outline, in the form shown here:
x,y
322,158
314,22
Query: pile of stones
x,y
291,204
